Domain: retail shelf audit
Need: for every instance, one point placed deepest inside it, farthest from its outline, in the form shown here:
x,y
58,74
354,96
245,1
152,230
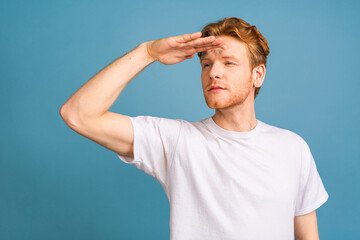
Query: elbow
x,y
64,112
67,116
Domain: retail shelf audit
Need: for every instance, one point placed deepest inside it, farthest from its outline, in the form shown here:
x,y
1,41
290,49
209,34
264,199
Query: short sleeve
x,y
312,193
155,141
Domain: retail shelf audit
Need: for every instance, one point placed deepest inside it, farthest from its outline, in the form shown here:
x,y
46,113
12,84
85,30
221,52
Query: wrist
x,y
145,48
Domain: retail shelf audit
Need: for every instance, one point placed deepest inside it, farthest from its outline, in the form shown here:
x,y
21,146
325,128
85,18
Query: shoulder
x,y
157,121
156,127
285,135
195,127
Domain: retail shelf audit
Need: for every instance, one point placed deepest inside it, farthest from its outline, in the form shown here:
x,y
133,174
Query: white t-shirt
x,y
228,185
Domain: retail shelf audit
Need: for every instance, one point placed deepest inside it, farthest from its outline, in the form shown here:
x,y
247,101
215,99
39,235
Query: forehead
x,y
230,47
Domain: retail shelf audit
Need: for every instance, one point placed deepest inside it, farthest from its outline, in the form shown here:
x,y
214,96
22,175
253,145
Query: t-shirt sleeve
x,y
155,141
312,193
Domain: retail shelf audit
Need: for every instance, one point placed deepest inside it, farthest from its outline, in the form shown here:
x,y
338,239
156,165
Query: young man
x,y
229,176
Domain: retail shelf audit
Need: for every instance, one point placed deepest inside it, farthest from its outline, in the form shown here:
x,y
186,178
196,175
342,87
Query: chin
x,y
231,100
224,104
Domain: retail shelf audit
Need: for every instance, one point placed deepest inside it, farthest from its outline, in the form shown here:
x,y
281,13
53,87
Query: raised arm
x,y
86,111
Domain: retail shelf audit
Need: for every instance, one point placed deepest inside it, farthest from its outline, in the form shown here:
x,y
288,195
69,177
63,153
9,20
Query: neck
x,y
238,118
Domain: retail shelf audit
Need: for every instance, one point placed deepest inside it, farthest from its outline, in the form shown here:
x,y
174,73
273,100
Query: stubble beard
x,y
216,102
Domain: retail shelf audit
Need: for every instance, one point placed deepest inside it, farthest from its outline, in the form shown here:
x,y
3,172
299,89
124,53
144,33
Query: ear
x,y
258,75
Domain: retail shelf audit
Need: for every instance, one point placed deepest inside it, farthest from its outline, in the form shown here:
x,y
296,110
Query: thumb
x,y
190,56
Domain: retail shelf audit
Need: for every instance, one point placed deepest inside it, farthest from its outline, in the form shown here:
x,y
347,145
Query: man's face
x,y
227,66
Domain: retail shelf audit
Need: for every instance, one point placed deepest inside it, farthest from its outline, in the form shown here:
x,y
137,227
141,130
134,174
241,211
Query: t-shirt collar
x,y
227,133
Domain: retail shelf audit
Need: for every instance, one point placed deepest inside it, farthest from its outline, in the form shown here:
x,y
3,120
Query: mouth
x,y
216,89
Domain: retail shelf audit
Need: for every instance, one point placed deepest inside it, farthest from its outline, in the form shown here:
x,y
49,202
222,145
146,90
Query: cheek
x,y
241,84
204,82
246,77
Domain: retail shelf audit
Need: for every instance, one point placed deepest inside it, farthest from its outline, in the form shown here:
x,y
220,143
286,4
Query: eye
x,y
229,63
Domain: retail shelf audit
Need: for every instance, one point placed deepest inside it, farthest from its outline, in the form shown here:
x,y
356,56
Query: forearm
x,y
97,95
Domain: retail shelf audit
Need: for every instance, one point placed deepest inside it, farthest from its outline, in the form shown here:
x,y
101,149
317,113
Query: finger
x,y
193,50
203,42
203,49
187,37
190,56
211,44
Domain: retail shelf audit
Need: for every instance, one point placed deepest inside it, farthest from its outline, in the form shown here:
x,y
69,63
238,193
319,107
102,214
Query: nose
x,y
216,71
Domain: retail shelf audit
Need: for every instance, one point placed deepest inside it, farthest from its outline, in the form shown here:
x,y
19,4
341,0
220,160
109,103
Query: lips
x,y
216,87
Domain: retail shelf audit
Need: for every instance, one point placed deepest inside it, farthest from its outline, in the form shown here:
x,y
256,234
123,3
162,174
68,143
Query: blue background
x,y
57,184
